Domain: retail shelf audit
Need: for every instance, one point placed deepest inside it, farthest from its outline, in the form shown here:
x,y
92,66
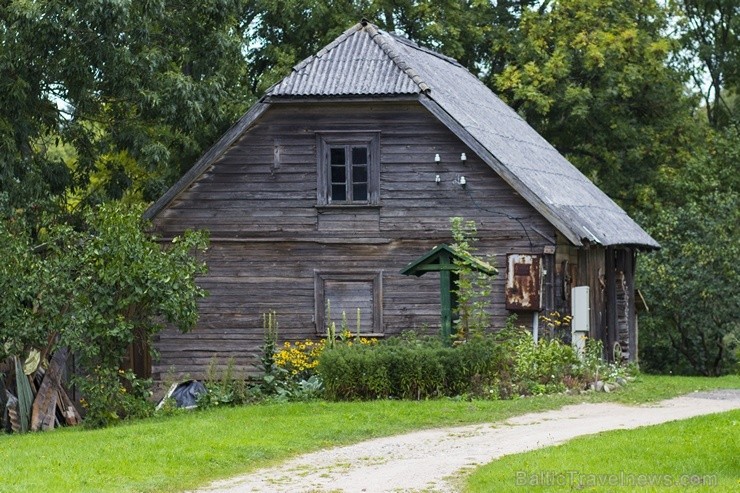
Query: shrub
x,y
112,395
541,367
410,369
497,366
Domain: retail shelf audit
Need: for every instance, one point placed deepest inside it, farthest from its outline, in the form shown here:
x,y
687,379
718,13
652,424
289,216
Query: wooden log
x,y
67,407
44,406
14,420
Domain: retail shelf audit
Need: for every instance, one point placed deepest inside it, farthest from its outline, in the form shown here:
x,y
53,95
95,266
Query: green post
x,y
445,293
440,259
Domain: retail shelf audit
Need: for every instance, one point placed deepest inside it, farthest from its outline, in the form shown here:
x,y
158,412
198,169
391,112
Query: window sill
x,y
334,207
363,335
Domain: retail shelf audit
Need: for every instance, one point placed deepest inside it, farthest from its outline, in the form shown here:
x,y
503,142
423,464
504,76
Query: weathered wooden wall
x,y
612,288
268,238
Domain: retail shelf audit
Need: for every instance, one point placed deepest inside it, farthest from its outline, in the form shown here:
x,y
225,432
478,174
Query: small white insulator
x,y
463,157
437,179
437,158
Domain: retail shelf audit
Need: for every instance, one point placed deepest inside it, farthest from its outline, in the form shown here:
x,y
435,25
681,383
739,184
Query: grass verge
x,y
185,451
693,455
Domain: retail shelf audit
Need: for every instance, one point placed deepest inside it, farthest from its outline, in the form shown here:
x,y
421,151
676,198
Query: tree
x,y
711,38
475,32
133,90
95,291
592,77
692,283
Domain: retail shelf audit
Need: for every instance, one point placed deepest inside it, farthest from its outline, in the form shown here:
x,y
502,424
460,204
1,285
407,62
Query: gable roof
x,y
366,61
439,258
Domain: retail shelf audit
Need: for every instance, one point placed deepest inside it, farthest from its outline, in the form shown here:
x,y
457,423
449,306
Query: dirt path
x,y
426,460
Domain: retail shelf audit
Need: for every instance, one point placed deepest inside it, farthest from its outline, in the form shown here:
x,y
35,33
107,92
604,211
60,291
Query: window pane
x,y
359,192
338,193
359,174
359,155
337,155
338,174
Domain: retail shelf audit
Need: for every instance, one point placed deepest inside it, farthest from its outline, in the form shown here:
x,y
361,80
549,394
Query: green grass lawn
x,y
698,454
189,450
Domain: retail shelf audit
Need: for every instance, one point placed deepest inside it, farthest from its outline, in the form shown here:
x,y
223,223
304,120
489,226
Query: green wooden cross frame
x,y
442,259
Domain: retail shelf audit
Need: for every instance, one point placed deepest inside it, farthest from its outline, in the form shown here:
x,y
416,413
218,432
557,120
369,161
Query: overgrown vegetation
x,y
96,289
113,101
495,366
472,288
691,283
109,102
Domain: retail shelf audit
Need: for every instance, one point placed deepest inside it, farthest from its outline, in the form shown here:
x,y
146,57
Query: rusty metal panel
x,y
523,282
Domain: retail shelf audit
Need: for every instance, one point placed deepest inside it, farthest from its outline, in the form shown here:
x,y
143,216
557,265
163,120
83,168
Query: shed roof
x,y
366,61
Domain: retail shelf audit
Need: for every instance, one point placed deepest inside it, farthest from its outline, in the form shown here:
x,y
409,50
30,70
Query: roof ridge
x,y
376,35
414,45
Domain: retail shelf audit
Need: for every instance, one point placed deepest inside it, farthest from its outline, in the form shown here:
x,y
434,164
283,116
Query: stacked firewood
x,y
33,396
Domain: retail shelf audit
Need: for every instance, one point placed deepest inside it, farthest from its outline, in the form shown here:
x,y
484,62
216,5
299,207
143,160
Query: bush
x,y
540,368
112,395
497,366
410,369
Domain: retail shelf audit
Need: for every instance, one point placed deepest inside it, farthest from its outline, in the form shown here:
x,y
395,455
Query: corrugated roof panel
x,y
566,192
355,65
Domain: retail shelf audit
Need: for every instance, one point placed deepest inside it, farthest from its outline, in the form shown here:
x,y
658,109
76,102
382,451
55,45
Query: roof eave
x,y
207,159
512,180
344,98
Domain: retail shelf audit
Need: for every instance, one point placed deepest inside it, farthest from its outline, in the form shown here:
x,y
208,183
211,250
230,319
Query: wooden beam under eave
x,y
612,334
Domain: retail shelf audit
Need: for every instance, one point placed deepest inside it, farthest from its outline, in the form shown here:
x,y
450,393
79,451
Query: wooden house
x,y
349,169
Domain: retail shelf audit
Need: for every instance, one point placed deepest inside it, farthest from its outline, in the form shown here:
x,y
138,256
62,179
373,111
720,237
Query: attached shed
x,y
348,169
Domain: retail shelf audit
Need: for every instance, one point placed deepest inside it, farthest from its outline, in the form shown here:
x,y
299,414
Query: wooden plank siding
x,y
269,238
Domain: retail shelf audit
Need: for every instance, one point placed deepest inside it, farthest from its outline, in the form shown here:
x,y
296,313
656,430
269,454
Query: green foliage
x,y
95,291
593,368
712,55
472,288
541,368
690,283
487,366
475,32
225,386
288,373
126,284
111,395
592,77
132,91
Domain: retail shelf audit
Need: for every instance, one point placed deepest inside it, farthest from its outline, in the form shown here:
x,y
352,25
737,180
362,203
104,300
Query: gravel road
x,y
430,460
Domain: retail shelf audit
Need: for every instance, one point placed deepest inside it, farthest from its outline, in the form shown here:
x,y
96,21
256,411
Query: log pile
x,y
33,396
